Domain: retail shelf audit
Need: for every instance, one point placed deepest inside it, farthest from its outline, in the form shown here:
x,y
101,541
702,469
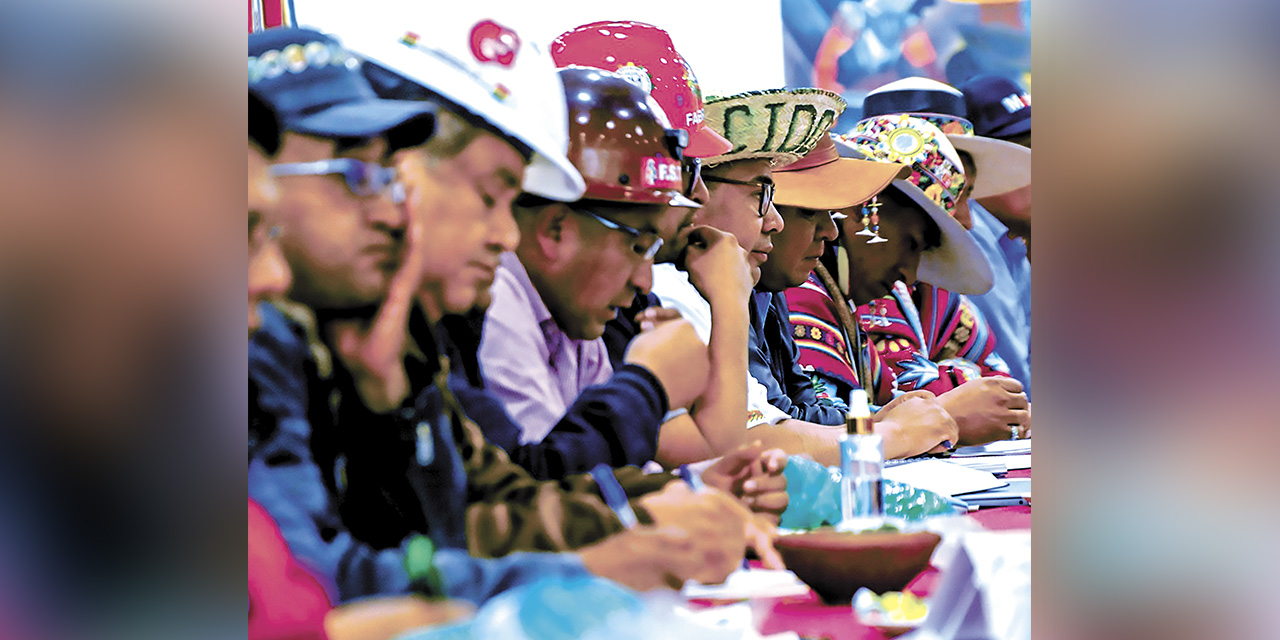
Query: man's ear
x,y
552,233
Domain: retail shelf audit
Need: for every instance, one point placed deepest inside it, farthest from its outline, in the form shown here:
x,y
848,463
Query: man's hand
x,y
987,409
674,354
374,352
714,520
754,475
654,316
915,423
389,617
644,558
717,266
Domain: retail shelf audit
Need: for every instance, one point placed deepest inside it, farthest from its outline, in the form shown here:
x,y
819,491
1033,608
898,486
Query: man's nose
x,y
826,227
387,210
772,221
269,274
642,277
700,193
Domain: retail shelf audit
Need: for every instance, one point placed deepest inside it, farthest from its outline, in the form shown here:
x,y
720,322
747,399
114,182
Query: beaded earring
x,y
881,317
871,221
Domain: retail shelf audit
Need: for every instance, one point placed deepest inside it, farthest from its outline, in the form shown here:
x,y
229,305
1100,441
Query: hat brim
x,y
364,118
1002,166
706,143
957,264
846,182
1012,129
754,131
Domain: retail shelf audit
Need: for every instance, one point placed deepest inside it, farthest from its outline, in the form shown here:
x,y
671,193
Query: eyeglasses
x,y
766,190
364,179
646,252
692,171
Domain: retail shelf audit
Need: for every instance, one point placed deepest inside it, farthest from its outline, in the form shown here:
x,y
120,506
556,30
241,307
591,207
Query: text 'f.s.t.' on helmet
x,y
621,140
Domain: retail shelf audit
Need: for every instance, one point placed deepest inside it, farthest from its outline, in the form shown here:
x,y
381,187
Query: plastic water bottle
x,y
861,469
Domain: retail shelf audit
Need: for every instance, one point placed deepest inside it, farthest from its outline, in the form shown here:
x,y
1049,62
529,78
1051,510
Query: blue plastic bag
x,y
549,609
813,493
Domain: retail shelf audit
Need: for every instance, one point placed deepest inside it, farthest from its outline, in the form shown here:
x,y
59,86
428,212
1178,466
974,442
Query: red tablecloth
x,y
810,618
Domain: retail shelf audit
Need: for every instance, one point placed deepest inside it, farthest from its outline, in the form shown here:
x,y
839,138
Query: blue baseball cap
x,y
317,88
998,107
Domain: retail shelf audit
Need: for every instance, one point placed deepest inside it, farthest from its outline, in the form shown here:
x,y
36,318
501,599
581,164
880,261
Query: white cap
x,y
859,404
478,64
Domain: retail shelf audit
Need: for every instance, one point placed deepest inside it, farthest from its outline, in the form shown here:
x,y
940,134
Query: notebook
x,y
1017,492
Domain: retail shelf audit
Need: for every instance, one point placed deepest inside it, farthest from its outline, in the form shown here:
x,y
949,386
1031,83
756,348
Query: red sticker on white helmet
x,y
492,42
657,172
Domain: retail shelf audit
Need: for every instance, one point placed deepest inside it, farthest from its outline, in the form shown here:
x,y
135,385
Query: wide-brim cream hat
x,y
936,178
1002,166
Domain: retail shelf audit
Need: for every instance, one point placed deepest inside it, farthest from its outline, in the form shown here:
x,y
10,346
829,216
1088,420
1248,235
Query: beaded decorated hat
x,y
1002,166
935,183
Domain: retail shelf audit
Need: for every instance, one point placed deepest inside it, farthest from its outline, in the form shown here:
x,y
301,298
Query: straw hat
x,y
778,125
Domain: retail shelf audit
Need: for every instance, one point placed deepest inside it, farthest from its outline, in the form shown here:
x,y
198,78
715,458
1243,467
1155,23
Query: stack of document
x,y
942,477
990,464
997,448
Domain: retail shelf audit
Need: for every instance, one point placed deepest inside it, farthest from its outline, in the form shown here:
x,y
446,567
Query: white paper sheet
x,y
994,464
749,583
942,477
997,448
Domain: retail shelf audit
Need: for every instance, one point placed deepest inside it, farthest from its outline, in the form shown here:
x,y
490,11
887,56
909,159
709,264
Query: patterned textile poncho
x,y
925,338
933,339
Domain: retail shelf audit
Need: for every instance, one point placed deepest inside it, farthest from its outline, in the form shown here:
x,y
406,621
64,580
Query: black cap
x,y
316,87
998,107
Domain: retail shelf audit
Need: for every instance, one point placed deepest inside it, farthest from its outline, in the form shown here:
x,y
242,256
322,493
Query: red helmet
x,y
643,54
621,141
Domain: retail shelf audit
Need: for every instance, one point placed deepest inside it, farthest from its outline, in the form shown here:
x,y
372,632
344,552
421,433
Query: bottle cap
x,y
858,420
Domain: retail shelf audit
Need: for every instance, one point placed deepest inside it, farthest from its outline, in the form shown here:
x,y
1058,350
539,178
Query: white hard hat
x,y
481,66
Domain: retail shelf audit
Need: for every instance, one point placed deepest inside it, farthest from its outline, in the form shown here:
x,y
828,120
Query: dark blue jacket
x,y
615,423
774,361
349,500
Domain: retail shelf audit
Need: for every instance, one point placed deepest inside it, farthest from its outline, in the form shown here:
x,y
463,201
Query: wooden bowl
x,y
836,564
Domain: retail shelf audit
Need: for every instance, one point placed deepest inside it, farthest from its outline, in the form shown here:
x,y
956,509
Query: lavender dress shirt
x,y
528,362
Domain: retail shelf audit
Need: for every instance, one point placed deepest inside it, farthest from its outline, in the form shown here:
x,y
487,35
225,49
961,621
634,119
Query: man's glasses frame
x,y
693,170
766,189
648,253
363,179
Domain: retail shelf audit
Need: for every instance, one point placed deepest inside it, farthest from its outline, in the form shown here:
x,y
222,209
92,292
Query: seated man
x,y
954,344
740,205
578,262
286,601
598,426
626,47
671,86
807,193
1002,224
902,232
355,469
